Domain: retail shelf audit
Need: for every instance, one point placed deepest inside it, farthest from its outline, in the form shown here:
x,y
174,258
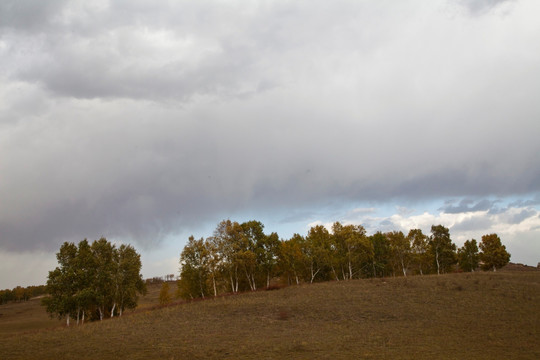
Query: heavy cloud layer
x,y
135,120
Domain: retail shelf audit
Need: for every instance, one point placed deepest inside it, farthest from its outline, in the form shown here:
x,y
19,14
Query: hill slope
x,y
480,315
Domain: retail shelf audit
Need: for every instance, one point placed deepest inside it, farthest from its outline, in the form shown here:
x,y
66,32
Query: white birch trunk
x,y
112,310
249,280
335,273
313,275
67,320
437,261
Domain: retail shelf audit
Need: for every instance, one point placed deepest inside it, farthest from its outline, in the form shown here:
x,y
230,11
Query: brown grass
x,y
458,316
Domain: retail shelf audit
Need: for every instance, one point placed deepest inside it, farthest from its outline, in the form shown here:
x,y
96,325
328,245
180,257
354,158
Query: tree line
x,y
241,257
20,293
93,281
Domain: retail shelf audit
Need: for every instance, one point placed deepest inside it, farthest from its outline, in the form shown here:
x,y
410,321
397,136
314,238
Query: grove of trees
x,y
20,293
94,280
240,257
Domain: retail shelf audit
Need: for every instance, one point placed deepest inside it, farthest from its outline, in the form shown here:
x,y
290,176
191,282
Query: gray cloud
x,y
478,7
526,202
469,205
138,121
473,224
524,214
29,16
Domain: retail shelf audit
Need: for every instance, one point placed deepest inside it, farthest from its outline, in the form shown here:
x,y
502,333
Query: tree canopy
x,y
493,253
242,257
93,281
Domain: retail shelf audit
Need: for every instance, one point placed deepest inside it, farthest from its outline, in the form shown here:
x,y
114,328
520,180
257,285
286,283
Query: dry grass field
x,y
456,316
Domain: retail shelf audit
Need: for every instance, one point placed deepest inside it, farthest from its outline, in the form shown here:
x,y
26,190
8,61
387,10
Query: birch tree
x,y
93,278
381,254
468,256
291,258
194,269
493,253
400,249
317,252
129,281
442,248
62,284
420,250
351,248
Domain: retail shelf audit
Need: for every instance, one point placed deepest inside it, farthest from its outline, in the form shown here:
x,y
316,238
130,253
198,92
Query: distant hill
x,y
519,267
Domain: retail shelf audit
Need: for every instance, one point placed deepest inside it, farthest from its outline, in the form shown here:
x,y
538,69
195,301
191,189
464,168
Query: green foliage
x,y
317,250
164,294
400,251
241,257
442,250
195,269
493,253
421,257
237,257
381,255
468,256
94,280
20,293
291,258
350,250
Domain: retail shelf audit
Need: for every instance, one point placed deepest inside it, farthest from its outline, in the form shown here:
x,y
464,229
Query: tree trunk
x,y
67,320
112,310
313,275
335,273
251,285
437,261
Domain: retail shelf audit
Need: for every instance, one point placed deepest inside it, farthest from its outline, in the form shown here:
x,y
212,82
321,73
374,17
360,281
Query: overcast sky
x,y
146,122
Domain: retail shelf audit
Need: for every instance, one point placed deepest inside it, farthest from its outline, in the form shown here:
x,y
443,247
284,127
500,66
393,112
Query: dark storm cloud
x,y
136,120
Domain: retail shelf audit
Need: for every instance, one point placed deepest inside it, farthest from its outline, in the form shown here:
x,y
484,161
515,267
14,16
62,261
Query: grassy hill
x,y
456,316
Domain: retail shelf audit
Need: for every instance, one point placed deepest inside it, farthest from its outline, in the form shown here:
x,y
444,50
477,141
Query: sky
x,y
147,122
